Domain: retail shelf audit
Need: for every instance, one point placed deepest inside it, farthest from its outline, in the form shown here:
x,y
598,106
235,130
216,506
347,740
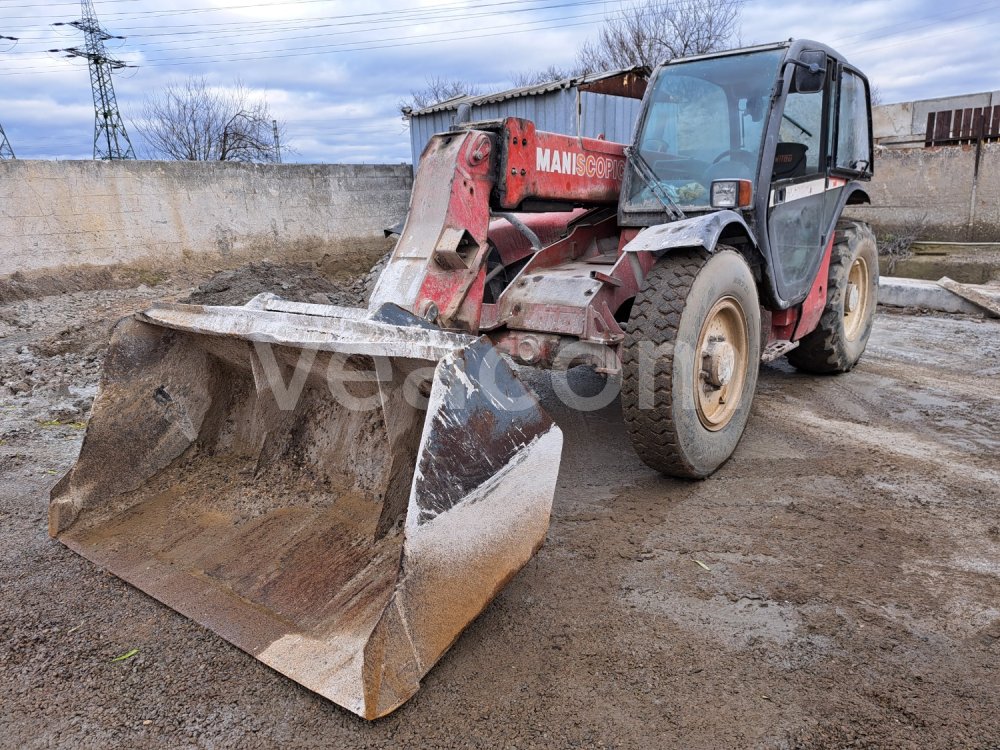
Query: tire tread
x,y
656,315
823,350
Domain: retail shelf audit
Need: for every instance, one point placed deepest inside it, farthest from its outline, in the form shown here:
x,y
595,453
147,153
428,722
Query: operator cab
x,y
780,133
704,121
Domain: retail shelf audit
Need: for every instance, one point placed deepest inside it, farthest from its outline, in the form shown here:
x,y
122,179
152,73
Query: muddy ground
x,y
836,584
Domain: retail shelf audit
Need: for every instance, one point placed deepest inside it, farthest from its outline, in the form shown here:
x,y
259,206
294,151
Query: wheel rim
x,y
857,299
720,369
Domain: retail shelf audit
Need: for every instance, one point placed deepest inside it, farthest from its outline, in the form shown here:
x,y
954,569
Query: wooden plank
x,y
942,128
978,118
961,126
966,135
956,126
973,295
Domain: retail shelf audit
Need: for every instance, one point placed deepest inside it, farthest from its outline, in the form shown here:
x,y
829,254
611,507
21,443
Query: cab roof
x,y
794,47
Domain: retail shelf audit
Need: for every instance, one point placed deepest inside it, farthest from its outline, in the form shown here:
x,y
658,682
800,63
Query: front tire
x,y
690,360
840,339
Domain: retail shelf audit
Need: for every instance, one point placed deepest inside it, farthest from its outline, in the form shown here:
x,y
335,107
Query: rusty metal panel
x,y
440,257
629,85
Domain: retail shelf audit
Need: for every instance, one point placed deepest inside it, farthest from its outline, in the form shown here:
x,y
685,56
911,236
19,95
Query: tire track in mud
x,y
849,599
893,568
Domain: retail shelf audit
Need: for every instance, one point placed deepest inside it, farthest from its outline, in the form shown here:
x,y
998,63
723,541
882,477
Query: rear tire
x,y
846,323
690,360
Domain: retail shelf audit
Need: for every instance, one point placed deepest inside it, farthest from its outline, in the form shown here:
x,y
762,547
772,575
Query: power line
x,y
368,44
368,25
236,34
365,44
110,139
428,14
441,10
559,22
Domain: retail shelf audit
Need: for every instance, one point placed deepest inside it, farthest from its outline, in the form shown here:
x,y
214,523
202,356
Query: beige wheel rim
x,y
721,363
857,299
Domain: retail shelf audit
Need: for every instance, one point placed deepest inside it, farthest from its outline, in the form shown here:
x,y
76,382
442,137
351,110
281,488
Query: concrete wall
x,y
940,187
55,214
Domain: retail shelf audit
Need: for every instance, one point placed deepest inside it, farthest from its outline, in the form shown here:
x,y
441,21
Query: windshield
x,y
705,122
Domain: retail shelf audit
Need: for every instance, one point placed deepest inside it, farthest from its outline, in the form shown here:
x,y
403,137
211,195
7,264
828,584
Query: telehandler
x,y
340,491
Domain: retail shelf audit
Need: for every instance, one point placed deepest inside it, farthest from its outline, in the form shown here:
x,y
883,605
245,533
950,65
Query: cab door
x,y
803,197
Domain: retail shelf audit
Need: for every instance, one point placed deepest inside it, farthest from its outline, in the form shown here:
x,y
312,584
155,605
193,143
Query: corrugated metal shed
x,y
599,104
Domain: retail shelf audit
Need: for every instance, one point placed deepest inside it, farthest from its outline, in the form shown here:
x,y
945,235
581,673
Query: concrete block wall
x,y
939,186
56,214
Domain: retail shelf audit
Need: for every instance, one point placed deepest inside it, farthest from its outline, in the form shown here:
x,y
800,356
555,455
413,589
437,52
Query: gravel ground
x,y
836,584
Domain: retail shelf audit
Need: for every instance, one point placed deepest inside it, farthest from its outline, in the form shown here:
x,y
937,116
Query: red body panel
x,y
812,306
552,167
572,276
783,324
513,245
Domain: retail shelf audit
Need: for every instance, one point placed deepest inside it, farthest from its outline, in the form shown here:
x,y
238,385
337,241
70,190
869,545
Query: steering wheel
x,y
734,151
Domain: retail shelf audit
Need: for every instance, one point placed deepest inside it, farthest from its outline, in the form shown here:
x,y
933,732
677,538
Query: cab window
x,y
853,142
799,146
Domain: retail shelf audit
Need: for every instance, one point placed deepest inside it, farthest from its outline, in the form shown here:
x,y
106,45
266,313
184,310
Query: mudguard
x,y
696,231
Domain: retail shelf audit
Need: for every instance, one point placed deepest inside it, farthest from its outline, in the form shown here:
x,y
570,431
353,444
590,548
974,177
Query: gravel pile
x,y
300,282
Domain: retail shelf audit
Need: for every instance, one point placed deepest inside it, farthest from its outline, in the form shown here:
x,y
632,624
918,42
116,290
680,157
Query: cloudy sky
x,y
336,71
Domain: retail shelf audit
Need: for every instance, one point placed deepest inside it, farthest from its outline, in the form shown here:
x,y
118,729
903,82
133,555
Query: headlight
x,y
732,194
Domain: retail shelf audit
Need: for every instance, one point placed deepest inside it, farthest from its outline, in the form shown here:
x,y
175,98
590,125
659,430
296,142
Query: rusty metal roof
x,y
628,82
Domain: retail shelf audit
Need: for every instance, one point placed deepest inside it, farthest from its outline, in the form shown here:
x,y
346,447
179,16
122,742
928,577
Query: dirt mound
x,y
55,344
299,282
77,339
22,286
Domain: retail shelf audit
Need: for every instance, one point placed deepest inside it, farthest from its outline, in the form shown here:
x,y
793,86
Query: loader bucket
x,y
336,492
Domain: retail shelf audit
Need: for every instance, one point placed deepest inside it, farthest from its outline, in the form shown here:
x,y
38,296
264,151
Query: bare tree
x,y
438,90
533,78
649,32
193,121
876,94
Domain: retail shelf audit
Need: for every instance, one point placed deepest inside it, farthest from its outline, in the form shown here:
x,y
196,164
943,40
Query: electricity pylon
x,y
110,139
6,152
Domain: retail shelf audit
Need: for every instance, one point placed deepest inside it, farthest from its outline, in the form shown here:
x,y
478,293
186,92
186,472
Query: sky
x,y
335,72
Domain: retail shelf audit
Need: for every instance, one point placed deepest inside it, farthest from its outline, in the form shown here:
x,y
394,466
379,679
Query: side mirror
x,y
810,71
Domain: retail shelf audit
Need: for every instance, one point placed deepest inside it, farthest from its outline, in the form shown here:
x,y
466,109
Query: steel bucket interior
x,y
346,547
